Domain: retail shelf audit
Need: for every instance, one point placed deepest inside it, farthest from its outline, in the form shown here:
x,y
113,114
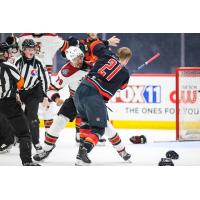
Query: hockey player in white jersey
x,y
71,75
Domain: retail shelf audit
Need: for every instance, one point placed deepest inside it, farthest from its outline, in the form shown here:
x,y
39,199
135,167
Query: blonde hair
x,y
124,53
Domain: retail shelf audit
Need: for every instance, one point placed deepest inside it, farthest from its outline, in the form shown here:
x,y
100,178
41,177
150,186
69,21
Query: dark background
x,y
176,49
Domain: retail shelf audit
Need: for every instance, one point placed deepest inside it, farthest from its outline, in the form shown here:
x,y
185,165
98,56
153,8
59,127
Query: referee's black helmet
x,y
28,43
3,47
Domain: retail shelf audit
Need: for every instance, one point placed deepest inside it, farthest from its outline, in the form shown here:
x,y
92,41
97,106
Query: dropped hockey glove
x,y
138,139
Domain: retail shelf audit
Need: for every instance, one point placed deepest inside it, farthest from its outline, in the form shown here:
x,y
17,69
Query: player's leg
x,y
91,107
48,115
85,129
78,126
115,140
66,113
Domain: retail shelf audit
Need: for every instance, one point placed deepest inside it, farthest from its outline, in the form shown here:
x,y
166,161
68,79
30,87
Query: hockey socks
x,y
53,134
117,143
90,141
89,136
114,138
77,124
47,124
49,142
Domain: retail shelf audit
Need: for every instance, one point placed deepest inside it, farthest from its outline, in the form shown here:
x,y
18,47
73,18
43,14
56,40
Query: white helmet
x,y
73,52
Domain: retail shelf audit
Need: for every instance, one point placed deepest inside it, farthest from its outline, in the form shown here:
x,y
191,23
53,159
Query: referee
x,y
10,81
36,83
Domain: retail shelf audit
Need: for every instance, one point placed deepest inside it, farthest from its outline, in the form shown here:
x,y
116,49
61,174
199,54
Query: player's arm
x,y
98,48
54,95
61,80
124,85
113,41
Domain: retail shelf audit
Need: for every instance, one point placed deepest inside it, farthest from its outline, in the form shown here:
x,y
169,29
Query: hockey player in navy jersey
x,y
106,77
84,45
71,74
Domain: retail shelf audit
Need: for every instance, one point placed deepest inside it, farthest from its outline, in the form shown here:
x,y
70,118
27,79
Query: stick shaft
x,y
149,61
152,58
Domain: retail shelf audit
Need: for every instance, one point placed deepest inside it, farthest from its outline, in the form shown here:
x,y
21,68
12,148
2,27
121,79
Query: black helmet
x,y
3,47
12,42
28,43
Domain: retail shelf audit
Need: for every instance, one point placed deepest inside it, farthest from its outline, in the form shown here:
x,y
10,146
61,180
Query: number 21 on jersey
x,y
112,69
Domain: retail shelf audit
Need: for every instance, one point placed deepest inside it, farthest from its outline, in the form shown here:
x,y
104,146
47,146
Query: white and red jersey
x,y
70,76
47,44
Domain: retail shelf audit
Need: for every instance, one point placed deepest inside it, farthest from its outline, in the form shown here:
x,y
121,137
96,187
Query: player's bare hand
x,y
45,103
59,102
114,41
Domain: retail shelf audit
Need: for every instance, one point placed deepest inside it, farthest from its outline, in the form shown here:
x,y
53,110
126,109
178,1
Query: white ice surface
x,y
148,154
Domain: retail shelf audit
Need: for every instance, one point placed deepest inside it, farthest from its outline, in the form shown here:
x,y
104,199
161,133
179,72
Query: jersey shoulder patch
x,y
68,70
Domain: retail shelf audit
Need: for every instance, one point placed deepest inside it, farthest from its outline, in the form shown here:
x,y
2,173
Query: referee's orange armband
x,y
20,83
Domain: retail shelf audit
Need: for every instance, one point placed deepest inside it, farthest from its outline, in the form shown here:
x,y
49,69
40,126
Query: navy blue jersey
x,y
108,75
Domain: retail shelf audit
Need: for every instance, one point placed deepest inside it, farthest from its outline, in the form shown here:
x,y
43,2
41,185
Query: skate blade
x,y
39,161
81,163
129,161
101,144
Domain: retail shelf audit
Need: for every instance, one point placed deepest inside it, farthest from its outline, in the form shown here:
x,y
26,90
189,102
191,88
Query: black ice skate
x,y
82,158
4,148
126,156
43,155
165,162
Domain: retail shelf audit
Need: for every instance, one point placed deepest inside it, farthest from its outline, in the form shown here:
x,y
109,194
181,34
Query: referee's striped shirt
x,y
9,76
34,72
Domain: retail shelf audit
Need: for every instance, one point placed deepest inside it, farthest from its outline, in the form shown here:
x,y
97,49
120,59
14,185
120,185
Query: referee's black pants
x,y
31,98
6,131
12,110
31,112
